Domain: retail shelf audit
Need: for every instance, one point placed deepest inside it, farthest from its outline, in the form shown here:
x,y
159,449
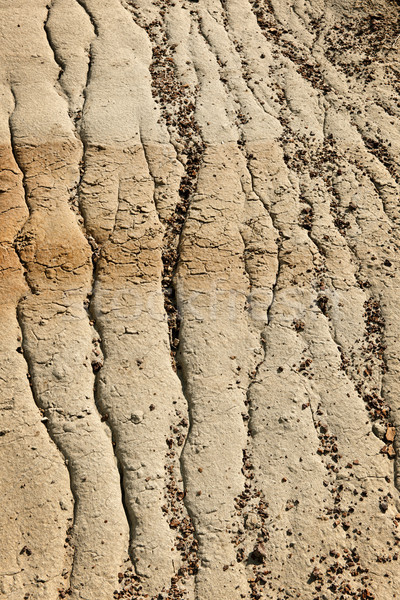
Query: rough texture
x,y
199,299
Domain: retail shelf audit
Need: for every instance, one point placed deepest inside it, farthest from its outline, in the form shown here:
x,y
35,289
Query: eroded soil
x,y
199,284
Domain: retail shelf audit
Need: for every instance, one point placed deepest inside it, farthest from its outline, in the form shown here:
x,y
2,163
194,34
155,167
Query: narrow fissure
x,y
301,154
99,357
185,541
328,449
251,505
57,58
97,361
328,163
177,109
46,420
46,416
91,17
328,159
97,364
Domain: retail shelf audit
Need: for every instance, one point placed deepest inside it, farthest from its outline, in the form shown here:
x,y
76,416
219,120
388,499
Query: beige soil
x,y
199,299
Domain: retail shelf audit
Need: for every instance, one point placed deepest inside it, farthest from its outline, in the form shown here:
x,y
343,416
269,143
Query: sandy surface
x,y
199,299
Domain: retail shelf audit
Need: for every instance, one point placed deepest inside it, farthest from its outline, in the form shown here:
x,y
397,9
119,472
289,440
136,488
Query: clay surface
x,y
199,299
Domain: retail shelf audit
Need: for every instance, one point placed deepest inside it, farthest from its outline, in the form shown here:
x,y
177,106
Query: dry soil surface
x,y
199,299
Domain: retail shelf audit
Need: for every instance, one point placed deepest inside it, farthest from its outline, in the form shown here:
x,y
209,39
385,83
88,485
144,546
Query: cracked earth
x,y
199,285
